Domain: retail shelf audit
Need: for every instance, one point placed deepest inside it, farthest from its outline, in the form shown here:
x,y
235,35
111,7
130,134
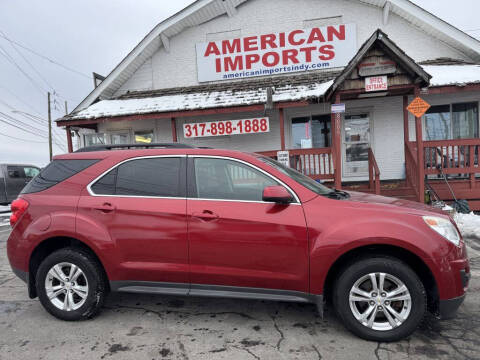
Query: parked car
x,y
13,178
206,222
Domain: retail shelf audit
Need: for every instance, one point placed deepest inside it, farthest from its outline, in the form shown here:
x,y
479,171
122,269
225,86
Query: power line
x,y
13,62
19,99
28,62
26,140
46,57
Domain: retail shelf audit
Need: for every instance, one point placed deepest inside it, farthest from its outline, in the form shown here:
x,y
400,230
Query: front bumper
x,y
21,274
448,308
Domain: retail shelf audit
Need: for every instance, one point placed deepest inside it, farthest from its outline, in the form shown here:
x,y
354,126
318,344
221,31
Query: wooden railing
x,y
456,158
373,173
315,163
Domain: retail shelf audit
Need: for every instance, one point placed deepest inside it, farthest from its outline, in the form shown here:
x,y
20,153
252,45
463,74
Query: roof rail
x,y
107,147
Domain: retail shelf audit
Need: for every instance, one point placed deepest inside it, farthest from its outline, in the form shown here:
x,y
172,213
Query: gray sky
x,y
91,36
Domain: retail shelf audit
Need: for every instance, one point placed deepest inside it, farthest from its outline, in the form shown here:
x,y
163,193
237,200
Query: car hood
x,y
389,201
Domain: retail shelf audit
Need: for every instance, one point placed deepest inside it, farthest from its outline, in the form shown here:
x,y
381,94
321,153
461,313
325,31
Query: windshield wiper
x,y
338,194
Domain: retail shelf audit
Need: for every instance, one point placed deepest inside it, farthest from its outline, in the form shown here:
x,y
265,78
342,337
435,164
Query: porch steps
x,y
391,189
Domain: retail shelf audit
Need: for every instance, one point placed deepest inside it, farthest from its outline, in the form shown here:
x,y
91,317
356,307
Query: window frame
x,y
450,105
192,188
96,134
183,179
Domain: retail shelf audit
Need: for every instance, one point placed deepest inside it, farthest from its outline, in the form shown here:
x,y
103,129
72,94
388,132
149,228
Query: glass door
x,y
356,142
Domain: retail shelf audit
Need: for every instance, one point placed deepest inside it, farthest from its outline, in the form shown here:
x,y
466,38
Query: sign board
x,y
376,83
274,54
227,127
377,67
338,108
418,107
283,157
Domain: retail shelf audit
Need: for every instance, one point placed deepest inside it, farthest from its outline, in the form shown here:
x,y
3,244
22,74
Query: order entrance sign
x,y
418,107
283,157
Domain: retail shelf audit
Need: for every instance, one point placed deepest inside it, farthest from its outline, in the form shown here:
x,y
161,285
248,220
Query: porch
x,y
457,159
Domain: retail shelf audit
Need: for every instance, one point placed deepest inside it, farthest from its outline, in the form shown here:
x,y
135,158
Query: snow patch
x,y
453,74
469,224
198,101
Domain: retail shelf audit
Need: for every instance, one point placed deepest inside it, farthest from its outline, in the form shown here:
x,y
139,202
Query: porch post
x,y
174,130
420,156
406,135
281,117
69,139
337,145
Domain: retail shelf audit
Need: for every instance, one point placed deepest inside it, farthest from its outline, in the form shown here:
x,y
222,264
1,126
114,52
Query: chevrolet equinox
x,y
173,219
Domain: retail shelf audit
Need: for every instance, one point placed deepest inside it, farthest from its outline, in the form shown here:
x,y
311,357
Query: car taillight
x,y
18,207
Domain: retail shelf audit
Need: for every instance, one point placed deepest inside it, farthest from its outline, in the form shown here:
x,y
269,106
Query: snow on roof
x,y
443,75
202,100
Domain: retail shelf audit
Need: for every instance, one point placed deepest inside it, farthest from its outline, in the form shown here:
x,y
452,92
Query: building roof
x,y
380,39
309,86
205,10
302,87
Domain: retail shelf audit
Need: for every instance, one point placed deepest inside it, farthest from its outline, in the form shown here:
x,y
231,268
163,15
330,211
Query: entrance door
x,y
356,142
236,239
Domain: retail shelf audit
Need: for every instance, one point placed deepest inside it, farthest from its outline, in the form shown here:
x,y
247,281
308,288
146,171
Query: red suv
x,y
203,222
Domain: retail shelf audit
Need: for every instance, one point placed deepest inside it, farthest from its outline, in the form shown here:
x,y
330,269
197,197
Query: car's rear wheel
x,y
380,299
70,284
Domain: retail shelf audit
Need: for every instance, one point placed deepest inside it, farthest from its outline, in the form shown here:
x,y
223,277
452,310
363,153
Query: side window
x,y
15,172
229,180
31,172
143,177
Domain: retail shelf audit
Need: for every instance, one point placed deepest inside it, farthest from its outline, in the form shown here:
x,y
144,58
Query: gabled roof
x,y
379,38
202,11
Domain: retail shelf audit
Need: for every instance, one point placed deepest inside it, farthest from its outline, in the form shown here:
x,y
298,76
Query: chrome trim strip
x,y
89,186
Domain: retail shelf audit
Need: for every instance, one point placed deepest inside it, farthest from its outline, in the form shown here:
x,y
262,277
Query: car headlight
x,y
444,227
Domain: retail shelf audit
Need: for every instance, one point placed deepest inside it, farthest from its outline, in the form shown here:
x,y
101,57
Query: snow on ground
x,y
4,208
469,224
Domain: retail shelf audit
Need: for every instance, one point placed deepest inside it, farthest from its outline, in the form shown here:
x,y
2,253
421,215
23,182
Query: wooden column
x,y
69,139
337,145
420,155
406,134
174,130
281,117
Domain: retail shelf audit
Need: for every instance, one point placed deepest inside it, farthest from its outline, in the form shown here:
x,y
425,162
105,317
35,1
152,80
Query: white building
x,y
285,62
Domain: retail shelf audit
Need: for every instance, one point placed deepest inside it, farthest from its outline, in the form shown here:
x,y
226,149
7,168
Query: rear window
x,y
56,172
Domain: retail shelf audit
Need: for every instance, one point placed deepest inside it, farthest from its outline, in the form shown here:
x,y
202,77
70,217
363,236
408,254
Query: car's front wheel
x,y
70,284
380,299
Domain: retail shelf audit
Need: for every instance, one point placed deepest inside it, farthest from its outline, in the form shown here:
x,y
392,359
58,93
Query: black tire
x,y
93,273
392,266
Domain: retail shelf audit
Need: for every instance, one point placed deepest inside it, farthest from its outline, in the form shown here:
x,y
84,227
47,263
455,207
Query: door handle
x,y
206,215
105,208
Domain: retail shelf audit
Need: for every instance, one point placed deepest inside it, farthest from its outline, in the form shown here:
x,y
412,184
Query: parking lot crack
x,y
248,351
282,337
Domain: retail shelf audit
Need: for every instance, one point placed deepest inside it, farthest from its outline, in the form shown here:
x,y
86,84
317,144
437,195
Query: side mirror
x,y
277,194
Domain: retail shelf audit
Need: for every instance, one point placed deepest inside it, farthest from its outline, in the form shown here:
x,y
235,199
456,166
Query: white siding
x,y
250,142
178,67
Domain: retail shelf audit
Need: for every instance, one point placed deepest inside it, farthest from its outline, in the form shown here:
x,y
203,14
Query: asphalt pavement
x,y
135,326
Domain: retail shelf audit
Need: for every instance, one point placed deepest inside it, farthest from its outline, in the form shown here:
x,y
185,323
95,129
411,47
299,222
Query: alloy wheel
x,y
380,301
66,286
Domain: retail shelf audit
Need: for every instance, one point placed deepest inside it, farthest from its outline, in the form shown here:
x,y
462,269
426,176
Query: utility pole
x,y
49,128
66,108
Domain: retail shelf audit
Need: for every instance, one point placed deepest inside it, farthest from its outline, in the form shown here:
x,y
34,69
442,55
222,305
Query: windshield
x,y
298,177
